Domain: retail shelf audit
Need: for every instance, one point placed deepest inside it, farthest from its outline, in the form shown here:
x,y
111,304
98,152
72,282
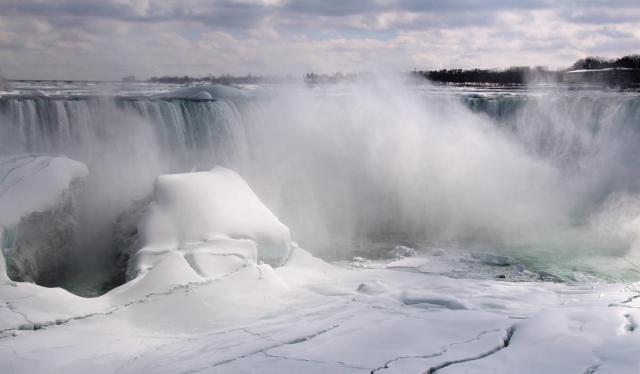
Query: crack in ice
x,y
342,363
263,350
442,351
505,343
63,321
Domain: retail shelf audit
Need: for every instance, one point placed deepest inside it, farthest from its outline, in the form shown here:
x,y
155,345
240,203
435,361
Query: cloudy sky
x,y
107,39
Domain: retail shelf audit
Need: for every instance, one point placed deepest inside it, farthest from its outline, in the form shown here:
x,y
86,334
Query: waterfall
x,y
73,126
184,129
352,171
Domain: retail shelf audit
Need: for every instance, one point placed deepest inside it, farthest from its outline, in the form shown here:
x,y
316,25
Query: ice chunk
x,y
403,251
373,287
409,262
214,219
37,223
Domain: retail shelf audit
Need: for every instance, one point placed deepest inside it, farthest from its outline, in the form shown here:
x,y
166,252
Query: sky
x,y
109,39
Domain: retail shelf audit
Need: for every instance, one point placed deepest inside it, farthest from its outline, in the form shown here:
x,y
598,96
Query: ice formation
x,y
213,219
37,224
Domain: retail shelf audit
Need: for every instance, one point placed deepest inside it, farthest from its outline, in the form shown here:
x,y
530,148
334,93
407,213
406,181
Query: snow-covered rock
x,y
37,207
214,220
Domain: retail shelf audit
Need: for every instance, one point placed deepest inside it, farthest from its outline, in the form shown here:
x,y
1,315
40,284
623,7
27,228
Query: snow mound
x,y
37,215
214,220
432,298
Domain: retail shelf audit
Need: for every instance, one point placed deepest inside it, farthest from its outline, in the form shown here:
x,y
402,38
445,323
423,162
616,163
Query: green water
x,y
566,262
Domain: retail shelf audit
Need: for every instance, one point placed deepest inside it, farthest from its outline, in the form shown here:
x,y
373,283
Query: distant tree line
x,y
225,79
622,72
589,63
314,78
513,75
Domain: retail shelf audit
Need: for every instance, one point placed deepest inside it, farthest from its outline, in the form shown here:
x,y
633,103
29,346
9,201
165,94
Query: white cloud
x,y
107,39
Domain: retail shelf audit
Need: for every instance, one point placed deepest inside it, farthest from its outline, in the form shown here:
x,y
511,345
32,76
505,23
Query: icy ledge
x,y
37,225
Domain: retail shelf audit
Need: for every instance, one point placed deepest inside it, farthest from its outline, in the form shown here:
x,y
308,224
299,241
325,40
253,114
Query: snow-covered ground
x,y
207,303
310,316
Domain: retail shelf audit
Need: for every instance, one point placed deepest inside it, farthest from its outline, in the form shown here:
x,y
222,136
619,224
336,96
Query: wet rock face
x,y
125,238
38,248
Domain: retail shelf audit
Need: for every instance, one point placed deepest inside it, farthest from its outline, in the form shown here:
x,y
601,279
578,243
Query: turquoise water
x,y
568,263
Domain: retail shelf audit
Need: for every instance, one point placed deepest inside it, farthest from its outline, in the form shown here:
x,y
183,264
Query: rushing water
x,y
549,177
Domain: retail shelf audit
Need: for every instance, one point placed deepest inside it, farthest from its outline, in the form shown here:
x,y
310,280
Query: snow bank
x,y
37,207
214,220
